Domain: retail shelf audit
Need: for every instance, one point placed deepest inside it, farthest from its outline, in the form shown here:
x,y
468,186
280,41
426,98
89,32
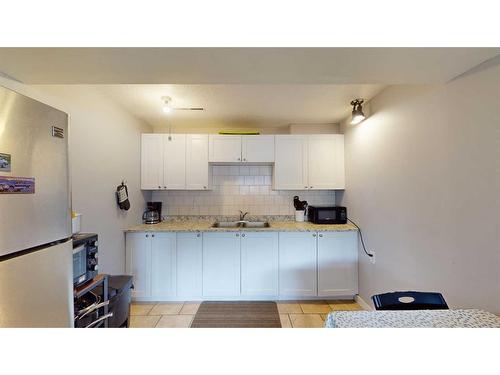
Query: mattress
x,y
413,319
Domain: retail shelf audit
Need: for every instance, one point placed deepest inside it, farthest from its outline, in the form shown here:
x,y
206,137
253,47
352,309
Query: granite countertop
x,y
206,226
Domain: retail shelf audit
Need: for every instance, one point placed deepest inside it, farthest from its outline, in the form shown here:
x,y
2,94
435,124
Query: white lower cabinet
x,y
163,265
221,264
297,264
138,263
242,265
189,265
337,264
259,264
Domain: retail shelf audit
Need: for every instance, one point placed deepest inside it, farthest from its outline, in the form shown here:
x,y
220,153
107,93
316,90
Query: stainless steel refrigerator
x,y
35,215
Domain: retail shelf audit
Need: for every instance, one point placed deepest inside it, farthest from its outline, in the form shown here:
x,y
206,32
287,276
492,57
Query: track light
x,y
357,111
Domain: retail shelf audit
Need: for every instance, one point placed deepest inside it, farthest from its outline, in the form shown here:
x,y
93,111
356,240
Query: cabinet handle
x,y
204,187
321,235
237,235
243,235
147,235
310,187
198,235
244,159
239,159
159,187
164,187
314,234
305,187
152,235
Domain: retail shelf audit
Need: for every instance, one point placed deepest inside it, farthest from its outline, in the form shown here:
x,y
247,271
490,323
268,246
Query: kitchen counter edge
x,y
206,226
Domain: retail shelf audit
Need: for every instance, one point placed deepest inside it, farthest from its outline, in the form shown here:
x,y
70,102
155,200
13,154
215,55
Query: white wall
x,y
234,188
104,149
423,182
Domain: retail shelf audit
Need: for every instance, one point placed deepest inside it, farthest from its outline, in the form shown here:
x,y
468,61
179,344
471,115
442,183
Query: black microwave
x,y
327,214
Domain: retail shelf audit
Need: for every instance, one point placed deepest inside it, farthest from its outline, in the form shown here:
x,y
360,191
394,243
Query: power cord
x,y
361,236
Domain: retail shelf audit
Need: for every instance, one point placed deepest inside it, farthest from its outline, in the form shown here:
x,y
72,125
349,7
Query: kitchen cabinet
x,y
221,264
241,149
259,264
290,168
163,162
163,265
189,265
337,264
151,161
325,162
197,169
174,162
297,264
257,148
246,265
224,148
309,162
138,263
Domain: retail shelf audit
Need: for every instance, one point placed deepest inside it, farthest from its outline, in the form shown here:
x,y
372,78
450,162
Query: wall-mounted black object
x,y
122,196
409,301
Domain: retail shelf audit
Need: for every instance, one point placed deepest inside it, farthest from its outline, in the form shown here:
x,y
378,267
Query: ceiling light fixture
x,y
167,108
357,111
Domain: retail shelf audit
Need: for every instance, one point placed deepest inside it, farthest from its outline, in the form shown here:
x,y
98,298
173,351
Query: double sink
x,y
241,224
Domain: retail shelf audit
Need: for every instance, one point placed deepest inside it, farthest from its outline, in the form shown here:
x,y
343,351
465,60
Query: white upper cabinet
x,y
290,168
337,263
151,161
241,149
174,162
225,149
325,161
257,148
312,162
197,169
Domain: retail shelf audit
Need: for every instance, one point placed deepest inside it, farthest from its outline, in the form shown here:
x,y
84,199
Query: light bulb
x,y
356,119
167,109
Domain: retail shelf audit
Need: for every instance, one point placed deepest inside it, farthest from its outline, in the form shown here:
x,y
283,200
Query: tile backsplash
x,y
246,188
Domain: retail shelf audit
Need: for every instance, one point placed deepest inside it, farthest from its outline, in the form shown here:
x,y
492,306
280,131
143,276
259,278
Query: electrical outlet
x,y
372,259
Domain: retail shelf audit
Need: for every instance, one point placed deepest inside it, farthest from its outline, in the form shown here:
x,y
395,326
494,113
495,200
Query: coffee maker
x,y
153,213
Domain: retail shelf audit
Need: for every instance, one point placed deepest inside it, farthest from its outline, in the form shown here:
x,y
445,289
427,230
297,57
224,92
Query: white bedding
x,y
413,319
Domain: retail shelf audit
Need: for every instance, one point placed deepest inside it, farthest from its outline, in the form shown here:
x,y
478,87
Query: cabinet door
x,y
163,265
290,168
138,263
221,264
224,148
337,264
189,265
257,148
174,162
151,161
326,161
197,170
259,264
297,264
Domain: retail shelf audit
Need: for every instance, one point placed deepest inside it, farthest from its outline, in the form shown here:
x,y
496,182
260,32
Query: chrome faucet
x,y
242,215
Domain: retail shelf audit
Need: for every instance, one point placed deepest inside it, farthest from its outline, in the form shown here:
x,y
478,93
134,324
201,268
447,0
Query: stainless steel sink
x,y
241,224
227,224
256,224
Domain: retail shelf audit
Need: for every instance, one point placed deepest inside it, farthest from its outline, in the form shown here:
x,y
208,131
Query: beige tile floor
x,y
293,314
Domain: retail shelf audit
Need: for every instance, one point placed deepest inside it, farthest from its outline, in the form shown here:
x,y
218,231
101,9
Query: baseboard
x,y
362,303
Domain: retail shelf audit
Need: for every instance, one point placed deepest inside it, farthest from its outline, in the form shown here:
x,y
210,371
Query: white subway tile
x,y
254,170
